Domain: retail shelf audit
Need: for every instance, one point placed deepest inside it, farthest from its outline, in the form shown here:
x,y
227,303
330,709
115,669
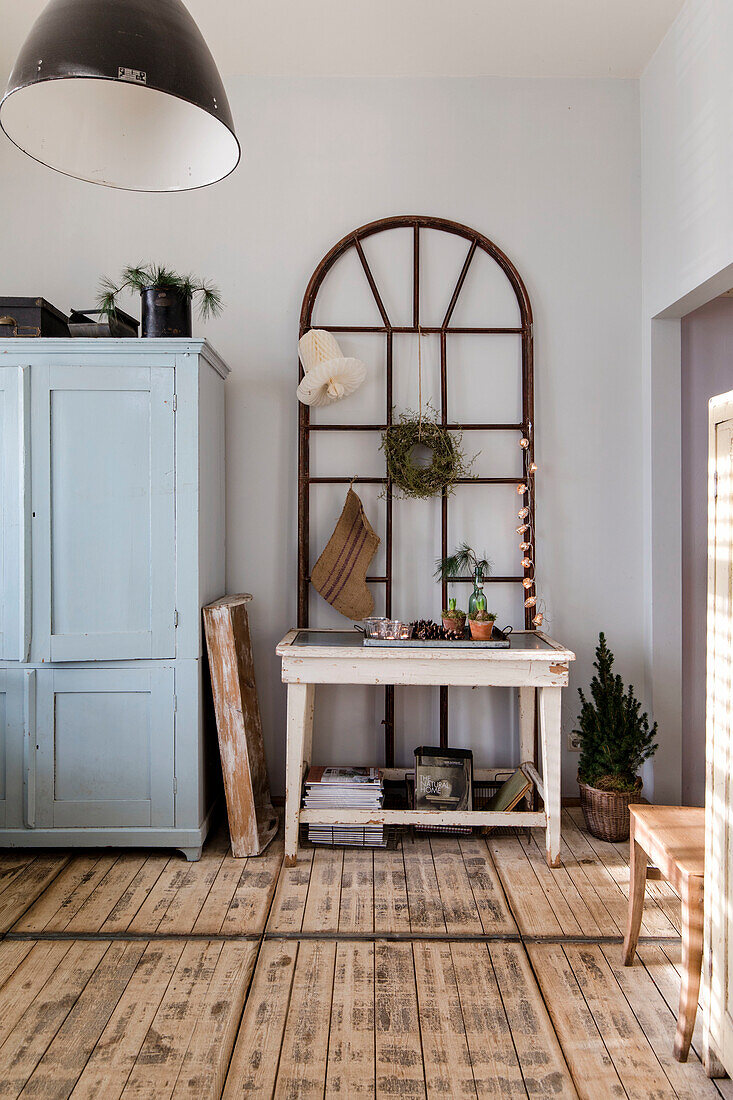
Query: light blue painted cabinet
x,y
112,539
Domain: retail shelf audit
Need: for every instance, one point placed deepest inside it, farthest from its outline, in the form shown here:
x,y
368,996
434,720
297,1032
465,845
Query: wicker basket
x,y
606,813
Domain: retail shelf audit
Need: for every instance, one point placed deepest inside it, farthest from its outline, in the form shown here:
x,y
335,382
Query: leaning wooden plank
x,y
356,913
688,1080
302,1069
324,892
26,981
533,911
36,1028
446,1059
291,894
493,907
541,1060
111,1062
634,1059
391,910
161,1055
350,1070
398,1050
253,895
252,819
494,1061
594,1074
253,1068
29,885
460,911
63,1062
204,1067
423,894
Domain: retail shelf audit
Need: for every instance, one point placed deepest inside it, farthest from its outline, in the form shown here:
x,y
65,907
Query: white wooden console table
x,y
533,662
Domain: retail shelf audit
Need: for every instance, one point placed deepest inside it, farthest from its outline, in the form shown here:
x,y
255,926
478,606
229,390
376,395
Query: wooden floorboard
x,y
423,970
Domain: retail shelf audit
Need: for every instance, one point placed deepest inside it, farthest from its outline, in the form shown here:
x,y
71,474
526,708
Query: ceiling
x,y
528,38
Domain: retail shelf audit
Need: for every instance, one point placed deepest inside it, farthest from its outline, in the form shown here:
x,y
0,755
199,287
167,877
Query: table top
x,y
529,645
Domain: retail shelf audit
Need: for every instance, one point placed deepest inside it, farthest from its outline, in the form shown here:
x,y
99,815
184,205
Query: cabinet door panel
x,y
14,514
103,469
11,747
105,747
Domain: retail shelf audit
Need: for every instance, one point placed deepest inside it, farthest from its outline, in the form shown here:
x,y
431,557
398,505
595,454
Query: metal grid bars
x,y
476,241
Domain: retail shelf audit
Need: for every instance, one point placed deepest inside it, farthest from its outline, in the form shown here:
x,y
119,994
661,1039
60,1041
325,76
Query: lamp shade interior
x,y
119,134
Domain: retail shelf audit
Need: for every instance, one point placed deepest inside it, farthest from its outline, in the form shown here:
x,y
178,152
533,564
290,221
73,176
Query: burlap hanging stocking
x,y
339,575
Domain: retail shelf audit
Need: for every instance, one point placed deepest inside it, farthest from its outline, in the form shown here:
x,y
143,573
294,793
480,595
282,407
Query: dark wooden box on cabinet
x,y
31,317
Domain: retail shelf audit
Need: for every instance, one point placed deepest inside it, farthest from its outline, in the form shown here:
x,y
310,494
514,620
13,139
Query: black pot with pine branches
x,y
615,740
165,298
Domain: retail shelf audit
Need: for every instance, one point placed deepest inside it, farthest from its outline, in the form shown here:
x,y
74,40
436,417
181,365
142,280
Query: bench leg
x,y
637,885
691,966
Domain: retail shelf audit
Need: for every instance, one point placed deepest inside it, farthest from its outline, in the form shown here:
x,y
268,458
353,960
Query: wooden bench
x,y
673,838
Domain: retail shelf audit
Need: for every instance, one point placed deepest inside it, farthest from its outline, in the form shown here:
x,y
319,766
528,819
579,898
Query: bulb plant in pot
x,y
165,296
453,617
615,740
481,621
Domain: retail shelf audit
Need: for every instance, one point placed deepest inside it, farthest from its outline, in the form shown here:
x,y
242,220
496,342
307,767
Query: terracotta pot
x,y
454,624
606,813
481,631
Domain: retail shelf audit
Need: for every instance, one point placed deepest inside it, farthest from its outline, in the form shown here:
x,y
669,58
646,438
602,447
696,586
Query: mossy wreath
x,y
449,463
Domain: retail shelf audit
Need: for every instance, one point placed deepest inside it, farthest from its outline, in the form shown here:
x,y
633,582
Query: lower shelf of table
x,y
515,818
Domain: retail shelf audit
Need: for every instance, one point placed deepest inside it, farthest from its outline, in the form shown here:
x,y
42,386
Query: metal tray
x,y
499,640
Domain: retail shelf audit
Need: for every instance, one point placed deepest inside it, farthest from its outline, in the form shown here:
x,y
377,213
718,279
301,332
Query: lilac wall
x,y
707,369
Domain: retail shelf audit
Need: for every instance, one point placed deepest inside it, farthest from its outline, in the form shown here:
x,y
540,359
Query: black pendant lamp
x,y
121,92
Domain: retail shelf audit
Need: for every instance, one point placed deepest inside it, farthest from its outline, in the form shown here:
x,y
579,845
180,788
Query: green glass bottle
x,y
478,591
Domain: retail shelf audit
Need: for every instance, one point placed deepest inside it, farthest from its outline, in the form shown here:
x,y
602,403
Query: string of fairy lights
x,y
524,515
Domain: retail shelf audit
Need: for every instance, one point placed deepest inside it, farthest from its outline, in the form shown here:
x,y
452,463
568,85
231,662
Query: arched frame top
x,y
476,241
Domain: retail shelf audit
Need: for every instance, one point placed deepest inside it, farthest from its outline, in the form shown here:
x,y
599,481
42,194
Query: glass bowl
x,y
373,627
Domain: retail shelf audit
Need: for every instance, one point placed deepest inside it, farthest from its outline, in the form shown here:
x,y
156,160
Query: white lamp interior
x,y
119,134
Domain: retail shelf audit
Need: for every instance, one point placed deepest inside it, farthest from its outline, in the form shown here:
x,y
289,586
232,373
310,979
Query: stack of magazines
x,y
345,789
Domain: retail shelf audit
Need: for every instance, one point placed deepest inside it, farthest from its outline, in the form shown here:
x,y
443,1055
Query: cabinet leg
x,y
300,735
550,698
192,854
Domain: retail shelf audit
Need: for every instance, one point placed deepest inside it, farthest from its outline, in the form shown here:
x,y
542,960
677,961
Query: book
x,y
350,788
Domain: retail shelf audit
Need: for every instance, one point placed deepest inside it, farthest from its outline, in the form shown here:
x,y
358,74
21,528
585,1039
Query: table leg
x,y
637,886
550,698
526,733
691,966
301,699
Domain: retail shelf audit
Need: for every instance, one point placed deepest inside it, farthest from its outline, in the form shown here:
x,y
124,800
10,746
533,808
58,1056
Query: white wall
x,y
687,156
687,247
547,169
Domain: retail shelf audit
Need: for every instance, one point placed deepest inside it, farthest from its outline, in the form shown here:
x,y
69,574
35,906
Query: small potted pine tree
x,y
615,740
453,617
